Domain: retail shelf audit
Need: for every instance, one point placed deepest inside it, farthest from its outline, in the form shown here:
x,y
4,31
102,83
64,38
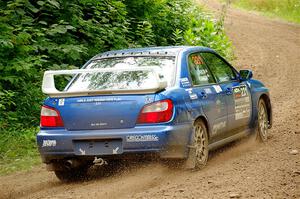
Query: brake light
x,y
157,112
50,117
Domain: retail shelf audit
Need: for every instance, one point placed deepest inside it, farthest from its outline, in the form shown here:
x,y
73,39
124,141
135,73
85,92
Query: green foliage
x,y
58,34
18,150
286,9
39,35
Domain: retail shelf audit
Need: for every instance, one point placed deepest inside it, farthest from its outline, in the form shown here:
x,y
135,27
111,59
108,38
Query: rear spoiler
x,y
48,85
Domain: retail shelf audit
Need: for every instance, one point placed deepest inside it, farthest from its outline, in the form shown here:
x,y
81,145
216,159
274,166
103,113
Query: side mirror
x,y
245,75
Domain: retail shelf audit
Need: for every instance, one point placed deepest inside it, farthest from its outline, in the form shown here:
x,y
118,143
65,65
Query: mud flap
x,y
190,163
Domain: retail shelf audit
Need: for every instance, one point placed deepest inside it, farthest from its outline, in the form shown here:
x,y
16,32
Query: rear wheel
x,y
262,122
198,153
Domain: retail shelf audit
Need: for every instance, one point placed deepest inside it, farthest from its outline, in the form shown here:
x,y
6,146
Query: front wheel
x,y
262,122
198,153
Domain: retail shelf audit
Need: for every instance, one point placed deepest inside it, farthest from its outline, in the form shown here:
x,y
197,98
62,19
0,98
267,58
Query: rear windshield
x,y
125,79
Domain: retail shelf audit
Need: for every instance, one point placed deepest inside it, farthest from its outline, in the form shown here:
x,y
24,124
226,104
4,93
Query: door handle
x,y
203,95
228,91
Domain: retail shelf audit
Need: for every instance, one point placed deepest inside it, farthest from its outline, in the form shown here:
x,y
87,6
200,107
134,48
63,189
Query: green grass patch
x,y
286,9
18,150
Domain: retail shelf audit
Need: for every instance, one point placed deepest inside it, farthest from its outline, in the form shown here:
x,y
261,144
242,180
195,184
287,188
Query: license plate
x,y
98,147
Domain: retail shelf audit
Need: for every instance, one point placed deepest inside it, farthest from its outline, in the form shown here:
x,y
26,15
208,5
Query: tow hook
x,y
99,161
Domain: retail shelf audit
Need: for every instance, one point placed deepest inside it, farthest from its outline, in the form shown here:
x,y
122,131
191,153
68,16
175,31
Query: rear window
x,y
125,79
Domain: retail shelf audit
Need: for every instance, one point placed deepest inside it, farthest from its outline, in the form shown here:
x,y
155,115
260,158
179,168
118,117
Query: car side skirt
x,y
227,140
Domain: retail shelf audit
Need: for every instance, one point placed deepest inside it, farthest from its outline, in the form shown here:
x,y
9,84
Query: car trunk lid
x,y
102,112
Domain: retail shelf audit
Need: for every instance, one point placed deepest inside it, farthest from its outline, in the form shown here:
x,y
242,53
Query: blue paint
x,y
96,119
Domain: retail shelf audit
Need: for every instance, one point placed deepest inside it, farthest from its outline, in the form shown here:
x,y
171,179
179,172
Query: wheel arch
x,y
267,101
205,121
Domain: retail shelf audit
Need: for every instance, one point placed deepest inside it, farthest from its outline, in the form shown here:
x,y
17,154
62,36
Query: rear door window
x,y
222,71
198,70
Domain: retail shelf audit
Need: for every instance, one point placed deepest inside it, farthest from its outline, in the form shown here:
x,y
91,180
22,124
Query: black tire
x,y
198,153
262,122
71,175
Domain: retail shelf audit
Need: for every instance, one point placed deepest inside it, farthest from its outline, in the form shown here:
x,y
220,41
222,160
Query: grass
x,y
18,150
288,10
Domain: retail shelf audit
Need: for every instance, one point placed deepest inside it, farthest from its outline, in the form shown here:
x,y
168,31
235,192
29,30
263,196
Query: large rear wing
x,y
48,86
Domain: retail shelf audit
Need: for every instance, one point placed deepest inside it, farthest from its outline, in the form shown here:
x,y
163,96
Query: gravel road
x,y
244,169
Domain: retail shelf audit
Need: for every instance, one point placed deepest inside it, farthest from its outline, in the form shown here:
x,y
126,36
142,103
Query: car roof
x,y
151,51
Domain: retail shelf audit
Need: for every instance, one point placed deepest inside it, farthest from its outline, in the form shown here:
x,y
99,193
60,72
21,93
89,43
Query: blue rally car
x,y
176,102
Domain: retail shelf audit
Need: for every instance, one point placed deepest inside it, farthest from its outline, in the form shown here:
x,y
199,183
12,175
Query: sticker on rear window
x,y
197,60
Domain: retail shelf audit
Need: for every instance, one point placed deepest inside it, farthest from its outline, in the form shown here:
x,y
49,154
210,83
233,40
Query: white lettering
x,y
49,143
142,138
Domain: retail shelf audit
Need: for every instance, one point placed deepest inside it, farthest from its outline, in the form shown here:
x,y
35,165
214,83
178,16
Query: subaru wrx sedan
x,y
176,102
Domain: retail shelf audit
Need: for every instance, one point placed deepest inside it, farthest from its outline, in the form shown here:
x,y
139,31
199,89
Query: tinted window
x,y
125,79
220,69
198,70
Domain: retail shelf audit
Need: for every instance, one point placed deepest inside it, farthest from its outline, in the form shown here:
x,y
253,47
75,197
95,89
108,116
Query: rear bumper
x,y
168,141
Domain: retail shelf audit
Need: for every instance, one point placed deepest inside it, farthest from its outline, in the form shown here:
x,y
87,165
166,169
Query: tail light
x,y
50,117
157,112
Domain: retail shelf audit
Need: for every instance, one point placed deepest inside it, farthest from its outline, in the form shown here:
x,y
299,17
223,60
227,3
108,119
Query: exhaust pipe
x,y
69,164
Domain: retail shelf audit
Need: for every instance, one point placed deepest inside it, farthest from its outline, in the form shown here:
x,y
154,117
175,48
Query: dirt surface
x,y
242,170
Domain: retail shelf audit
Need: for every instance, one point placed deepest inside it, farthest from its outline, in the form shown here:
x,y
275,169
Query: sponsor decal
x,y
142,138
185,82
49,143
61,102
242,102
100,124
208,90
189,90
217,88
217,127
218,105
109,99
192,95
148,99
